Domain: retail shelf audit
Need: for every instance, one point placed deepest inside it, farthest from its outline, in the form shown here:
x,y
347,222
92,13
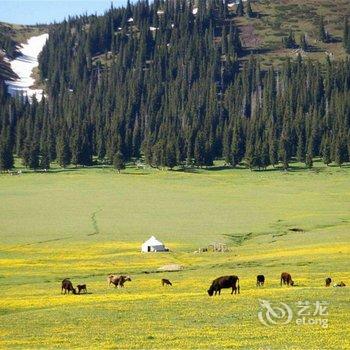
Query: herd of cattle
x,y
216,286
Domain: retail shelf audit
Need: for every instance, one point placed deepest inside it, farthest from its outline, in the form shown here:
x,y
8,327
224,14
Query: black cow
x,y
166,282
328,281
224,282
82,287
260,280
67,286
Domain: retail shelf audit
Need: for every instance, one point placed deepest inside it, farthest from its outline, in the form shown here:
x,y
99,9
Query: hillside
x,y
262,35
11,36
173,84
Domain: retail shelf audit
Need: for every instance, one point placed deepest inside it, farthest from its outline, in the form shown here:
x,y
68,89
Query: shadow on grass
x,y
88,293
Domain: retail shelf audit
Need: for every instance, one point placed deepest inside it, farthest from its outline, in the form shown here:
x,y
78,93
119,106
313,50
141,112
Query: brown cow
x,y
82,287
67,286
328,281
286,278
118,281
224,282
166,282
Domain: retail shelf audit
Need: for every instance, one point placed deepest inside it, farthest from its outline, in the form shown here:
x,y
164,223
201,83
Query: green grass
x,y
86,223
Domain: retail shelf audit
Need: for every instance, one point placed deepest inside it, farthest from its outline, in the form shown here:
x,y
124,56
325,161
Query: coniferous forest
x,y
171,82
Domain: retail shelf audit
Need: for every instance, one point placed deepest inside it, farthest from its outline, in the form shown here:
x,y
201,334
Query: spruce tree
x,y
170,156
45,157
6,153
240,9
322,33
199,150
289,41
303,42
249,10
309,155
63,151
33,161
326,151
346,35
340,150
118,161
284,150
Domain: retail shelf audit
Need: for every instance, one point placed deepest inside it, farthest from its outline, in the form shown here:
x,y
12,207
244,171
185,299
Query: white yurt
x,y
153,245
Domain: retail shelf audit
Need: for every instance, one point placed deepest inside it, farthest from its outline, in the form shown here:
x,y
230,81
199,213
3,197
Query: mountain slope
x,y
274,18
11,36
173,83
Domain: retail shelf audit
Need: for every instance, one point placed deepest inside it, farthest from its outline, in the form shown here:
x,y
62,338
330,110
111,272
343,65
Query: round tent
x,y
153,245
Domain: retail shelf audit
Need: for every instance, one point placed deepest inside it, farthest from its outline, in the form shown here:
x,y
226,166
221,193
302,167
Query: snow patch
x,y
23,66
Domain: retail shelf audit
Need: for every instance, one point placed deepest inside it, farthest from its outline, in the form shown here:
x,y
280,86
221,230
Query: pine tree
x,y
199,150
240,9
322,33
346,35
118,161
340,150
25,152
63,151
326,151
284,150
170,156
303,42
309,155
6,153
45,158
237,149
249,10
264,155
289,41
33,161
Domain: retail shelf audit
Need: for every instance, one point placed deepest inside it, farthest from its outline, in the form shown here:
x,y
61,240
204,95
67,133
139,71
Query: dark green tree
x,y
33,162
323,35
118,161
249,10
303,42
240,9
289,41
346,35
63,151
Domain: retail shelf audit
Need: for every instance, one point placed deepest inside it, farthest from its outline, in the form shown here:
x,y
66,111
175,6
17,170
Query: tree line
x,y
171,82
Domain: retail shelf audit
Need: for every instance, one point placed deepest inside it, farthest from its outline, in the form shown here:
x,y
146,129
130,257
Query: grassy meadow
x,y
87,223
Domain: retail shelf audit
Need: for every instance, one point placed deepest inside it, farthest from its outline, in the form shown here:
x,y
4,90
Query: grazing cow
x,y
328,281
224,282
118,281
166,282
341,284
260,280
81,287
67,286
286,278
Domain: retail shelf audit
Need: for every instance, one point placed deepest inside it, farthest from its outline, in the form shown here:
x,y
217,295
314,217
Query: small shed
x,y
153,245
